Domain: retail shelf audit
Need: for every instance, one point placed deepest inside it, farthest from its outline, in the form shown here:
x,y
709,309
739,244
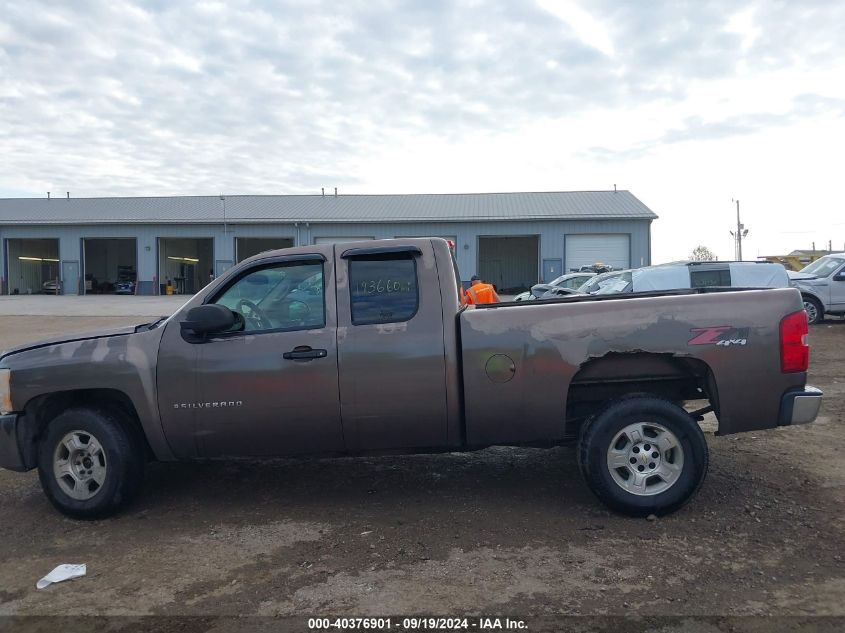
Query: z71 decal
x,y
724,335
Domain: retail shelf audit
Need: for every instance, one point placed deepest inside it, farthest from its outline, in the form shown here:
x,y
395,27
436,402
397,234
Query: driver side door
x,y
269,386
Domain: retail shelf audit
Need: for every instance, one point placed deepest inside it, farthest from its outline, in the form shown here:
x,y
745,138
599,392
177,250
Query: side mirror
x,y
208,319
839,276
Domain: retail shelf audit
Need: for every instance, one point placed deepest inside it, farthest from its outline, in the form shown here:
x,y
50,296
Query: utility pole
x,y
741,232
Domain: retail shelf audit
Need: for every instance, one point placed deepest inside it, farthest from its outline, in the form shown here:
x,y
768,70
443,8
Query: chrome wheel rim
x,y
645,459
79,465
812,312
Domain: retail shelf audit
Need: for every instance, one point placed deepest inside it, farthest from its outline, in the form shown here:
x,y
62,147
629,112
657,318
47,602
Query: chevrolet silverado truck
x,y
368,347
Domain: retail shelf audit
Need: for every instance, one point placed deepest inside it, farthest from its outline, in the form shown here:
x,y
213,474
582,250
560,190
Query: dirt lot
x,y
501,531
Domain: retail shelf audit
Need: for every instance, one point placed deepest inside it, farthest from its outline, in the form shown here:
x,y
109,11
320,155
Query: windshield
x,y
614,285
593,284
571,281
823,267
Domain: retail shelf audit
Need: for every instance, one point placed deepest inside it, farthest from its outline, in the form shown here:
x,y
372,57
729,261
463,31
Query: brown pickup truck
x,y
367,347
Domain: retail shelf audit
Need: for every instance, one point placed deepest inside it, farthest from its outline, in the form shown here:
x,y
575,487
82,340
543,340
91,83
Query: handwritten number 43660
x,y
379,286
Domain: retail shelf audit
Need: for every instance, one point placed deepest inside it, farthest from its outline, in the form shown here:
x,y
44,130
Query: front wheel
x,y
814,310
643,455
90,463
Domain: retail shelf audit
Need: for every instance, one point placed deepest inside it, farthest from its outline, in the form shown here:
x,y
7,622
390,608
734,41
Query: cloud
x,y
139,98
698,129
587,28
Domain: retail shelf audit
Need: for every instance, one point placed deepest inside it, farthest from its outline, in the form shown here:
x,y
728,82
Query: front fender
x,y
124,363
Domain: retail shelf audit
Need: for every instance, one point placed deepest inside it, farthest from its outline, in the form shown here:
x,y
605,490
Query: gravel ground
x,y
501,531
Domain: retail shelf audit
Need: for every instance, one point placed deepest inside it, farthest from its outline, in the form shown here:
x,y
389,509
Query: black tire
x,y
123,459
813,308
595,442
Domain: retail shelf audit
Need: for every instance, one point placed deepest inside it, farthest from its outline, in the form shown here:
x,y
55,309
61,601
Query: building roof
x,y
462,207
811,253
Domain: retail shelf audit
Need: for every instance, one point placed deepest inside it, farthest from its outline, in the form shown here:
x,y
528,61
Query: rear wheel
x,y
90,462
814,309
643,455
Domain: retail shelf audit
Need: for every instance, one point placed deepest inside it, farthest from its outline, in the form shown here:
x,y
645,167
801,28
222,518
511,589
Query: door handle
x,y
304,352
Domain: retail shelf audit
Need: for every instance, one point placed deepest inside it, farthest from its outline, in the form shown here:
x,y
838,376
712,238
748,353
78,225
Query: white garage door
x,y
339,240
611,250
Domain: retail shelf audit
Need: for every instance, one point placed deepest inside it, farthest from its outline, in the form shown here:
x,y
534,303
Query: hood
x,y
70,338
538,289
796,276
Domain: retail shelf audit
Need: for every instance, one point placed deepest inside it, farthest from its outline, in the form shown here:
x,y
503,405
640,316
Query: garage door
x,y
509,263
609,249
109,265
340,240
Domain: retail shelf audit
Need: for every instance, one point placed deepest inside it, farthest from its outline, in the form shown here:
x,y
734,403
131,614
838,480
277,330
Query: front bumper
x,y
800,407
10,449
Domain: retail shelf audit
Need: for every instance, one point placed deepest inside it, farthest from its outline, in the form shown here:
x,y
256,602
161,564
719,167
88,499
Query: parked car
x,y
385,358
822,286
571,281
50,287
696,275
124,288
593,285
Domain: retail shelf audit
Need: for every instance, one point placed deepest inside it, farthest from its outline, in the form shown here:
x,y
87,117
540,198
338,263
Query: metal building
x,y
143,245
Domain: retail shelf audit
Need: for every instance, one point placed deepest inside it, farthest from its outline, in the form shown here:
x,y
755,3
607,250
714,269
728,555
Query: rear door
x,y
391,346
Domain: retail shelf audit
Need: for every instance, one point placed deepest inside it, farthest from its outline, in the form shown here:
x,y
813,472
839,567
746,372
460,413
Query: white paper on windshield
x,y
661,278
748,275
617,284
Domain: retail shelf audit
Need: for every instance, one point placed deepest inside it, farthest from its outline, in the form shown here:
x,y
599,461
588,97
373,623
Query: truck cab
x,y
333,349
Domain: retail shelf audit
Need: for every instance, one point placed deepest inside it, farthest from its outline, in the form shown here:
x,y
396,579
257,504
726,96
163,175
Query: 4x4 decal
x,y
724,335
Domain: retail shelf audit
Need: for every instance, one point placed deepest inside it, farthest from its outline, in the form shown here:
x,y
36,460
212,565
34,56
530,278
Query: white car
x,y
822,286
607,283
691,275
570,281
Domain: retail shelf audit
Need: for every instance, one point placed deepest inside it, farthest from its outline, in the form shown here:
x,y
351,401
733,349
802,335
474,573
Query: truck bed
x,y
554,345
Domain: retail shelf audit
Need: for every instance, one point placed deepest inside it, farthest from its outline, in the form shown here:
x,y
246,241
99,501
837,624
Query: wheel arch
x,y
615,375
806,295
42,409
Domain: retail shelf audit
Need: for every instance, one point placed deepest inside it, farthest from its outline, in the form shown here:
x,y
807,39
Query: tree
x,y
703,254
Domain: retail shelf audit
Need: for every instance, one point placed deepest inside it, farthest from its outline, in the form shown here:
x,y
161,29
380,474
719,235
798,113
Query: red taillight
x,y
794,351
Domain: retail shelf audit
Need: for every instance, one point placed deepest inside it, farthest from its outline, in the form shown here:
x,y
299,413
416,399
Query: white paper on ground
x,y
60,573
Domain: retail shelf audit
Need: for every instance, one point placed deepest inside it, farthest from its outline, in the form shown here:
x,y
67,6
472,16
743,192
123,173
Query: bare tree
x,y
703,254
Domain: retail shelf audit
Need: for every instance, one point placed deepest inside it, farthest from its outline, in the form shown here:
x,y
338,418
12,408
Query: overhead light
x,y
37,259
193,260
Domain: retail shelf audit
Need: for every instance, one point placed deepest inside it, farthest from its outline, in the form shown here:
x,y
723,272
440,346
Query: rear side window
x,y
709,278
383,288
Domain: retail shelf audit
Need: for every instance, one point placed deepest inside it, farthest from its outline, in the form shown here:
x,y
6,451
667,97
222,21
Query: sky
x,y
690,105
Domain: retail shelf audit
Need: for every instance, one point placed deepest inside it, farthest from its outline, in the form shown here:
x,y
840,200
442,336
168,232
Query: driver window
x,y
286,296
